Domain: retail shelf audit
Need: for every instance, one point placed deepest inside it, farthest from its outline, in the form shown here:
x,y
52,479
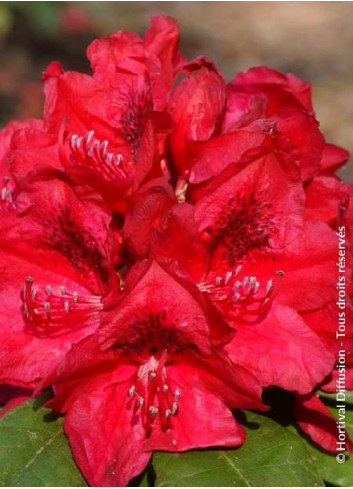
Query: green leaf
x,y
144,481
271,456
34,450
332,397
330,470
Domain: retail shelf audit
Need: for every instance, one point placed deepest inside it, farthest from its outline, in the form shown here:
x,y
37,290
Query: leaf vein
x,y
235,468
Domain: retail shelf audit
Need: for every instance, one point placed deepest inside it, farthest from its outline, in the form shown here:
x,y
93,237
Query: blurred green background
x,y
311,39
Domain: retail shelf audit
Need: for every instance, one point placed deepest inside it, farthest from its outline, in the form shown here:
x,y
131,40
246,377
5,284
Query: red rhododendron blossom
x,y
56,260
243,250
286,101
270,334
153,365
168,251
218,124
111,126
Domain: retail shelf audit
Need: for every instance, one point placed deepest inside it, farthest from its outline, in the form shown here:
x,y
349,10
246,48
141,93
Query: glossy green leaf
x,y
271,456
34,450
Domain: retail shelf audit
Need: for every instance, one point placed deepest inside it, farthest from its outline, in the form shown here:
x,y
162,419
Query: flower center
x,y
75,242
152,334
151,396
51,311
138,106
244,225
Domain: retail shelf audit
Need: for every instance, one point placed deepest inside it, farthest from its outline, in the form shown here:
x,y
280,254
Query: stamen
x,y
153,410
227,277
104,146
25,310
6,195
218,281
140,402
90,152
52,310
236,297
89,136
237,270
269,286
241,299
73,140
151,384
181,189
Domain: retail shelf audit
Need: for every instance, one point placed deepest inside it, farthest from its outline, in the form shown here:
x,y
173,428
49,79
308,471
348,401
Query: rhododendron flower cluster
x,y
168,253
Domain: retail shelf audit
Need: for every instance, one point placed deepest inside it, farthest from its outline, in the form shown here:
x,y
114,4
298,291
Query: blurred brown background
x,y
314,40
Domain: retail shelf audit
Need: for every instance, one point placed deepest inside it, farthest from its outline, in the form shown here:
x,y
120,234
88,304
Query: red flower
x,y
216,125
56,267
126,54
111,126
155,370
196,105
246,211
286,101
167,250
123,147
251,255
